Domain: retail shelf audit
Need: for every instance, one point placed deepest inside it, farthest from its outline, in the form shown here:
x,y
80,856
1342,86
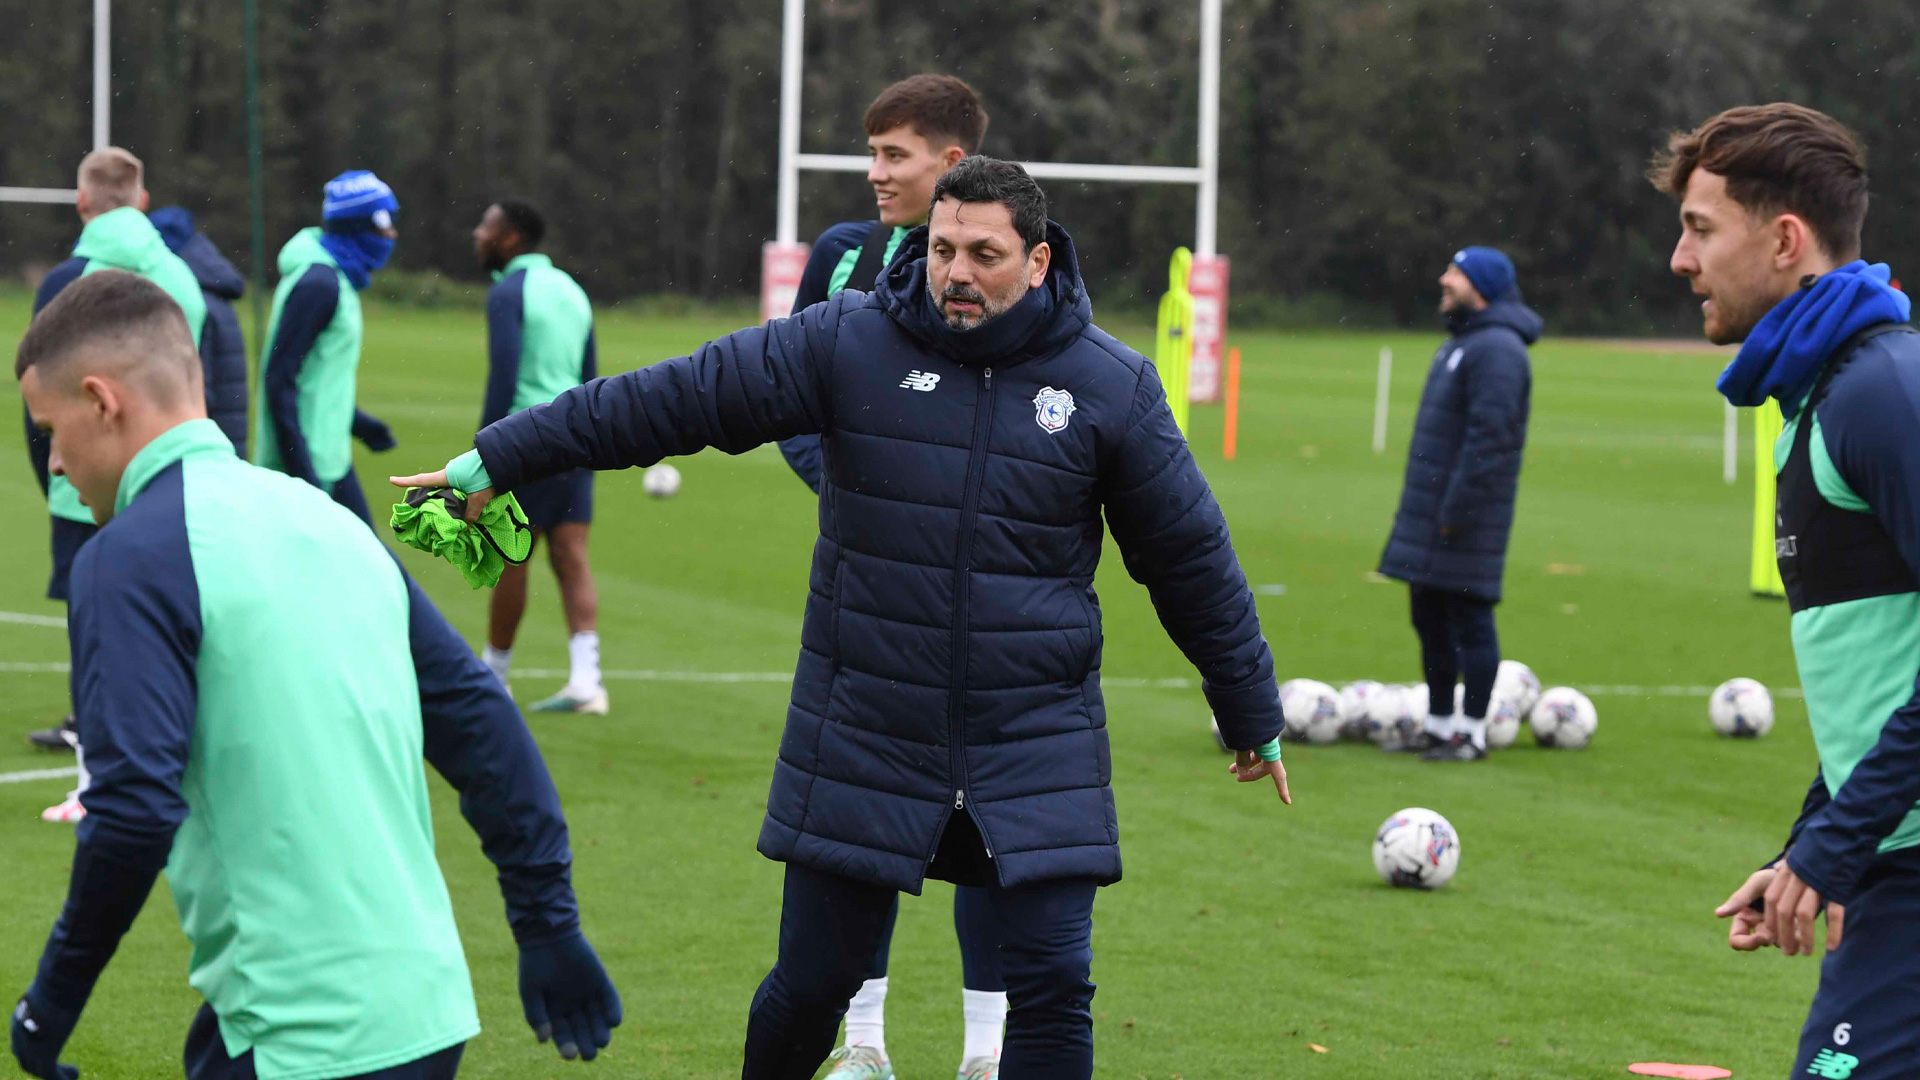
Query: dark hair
x,y
526,219
990,180
1778,158
109,304
939,107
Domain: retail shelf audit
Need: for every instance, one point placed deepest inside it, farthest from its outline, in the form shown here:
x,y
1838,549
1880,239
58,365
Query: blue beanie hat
x,y
357,195
1489,269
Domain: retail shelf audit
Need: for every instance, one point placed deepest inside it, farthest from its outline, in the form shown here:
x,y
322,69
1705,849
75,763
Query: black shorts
x,y
67,538
558,500
1865,1020
207,1059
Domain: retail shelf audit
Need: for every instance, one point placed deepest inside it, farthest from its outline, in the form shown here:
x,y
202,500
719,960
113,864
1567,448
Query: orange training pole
x,y
1233,403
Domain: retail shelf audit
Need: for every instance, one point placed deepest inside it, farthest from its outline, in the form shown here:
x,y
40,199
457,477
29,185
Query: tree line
x,y
1361,140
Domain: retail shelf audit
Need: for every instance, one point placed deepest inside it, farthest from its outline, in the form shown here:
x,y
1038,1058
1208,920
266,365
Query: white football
x,y
1517,682
1419,701
1312,709
1741,709
662,481
1356,708
1503,723
1563,718
1416,849
1387,714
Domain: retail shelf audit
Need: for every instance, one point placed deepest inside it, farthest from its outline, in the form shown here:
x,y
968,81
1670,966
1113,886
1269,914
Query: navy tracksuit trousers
x,y
832,928
1865,1019
1457,638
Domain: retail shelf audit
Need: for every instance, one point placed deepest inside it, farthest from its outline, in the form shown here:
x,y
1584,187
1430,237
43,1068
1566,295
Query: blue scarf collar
x,y
1784,353
358,253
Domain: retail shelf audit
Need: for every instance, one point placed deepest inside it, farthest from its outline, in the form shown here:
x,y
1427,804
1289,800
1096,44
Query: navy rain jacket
x,y
223,348
950,652
1463,468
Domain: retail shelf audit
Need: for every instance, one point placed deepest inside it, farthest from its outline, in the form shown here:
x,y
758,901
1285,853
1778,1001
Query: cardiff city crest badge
x,y
1052,408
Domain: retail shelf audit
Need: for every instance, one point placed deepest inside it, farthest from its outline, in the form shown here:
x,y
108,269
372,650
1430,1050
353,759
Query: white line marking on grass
x,y
35,669
25,619
1117,682
38,774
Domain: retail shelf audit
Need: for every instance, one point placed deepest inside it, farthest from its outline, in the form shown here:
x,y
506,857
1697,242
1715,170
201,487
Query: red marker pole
x,y
1233,403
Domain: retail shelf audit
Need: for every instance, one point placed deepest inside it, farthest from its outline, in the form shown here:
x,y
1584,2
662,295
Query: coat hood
x,y
1042,323
1511,314
122,238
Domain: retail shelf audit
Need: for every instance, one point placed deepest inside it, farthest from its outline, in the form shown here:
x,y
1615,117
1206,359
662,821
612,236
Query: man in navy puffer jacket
x,y
946,717
223,348
1449,541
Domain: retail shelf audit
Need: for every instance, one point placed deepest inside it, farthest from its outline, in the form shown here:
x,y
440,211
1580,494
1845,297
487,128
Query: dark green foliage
x,y
1361,141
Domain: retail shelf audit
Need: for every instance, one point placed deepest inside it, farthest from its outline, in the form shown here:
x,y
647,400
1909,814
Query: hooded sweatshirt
x,y
121,239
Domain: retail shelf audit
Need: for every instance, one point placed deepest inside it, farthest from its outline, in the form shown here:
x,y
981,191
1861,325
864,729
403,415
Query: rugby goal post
x,y
784,258
102,110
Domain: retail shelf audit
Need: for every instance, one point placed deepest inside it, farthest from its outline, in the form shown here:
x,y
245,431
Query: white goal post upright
x,y
784,258
102,108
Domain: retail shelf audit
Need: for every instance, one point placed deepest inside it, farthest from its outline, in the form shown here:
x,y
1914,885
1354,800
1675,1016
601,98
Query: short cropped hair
x,y
944,110
989,180
525,219
112,178
1778,158
111,310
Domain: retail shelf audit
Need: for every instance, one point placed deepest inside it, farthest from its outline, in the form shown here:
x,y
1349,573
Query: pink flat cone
x,y
1680,1072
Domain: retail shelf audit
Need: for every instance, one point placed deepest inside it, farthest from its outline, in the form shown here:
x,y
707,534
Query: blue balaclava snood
x,y
356,206
1489,269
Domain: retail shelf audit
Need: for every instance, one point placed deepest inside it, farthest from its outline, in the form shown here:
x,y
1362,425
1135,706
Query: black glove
x,y
40,1029
567,996
374,432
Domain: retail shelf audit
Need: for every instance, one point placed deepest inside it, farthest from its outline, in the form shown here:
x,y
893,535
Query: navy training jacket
x,y
1463,467
223,348
950,651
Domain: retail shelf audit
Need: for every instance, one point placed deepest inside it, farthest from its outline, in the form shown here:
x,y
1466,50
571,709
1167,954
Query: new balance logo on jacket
x,y
922,381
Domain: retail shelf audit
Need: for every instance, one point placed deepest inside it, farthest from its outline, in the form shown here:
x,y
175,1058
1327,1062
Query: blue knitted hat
x,y
358,194
1489,269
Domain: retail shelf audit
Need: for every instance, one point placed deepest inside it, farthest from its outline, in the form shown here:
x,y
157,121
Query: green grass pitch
x,y
1577,938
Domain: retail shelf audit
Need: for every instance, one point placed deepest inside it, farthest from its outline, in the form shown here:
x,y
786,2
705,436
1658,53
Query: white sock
x,y
867,1016
986,1015
1474,728
583,650
1440,726
497,661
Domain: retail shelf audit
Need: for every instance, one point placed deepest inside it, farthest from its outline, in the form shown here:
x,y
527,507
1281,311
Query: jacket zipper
x,y
969,511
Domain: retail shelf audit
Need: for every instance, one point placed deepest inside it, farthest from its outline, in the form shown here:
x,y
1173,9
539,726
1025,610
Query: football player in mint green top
x,y
257,683
539,346
111,200
1773,199
306,416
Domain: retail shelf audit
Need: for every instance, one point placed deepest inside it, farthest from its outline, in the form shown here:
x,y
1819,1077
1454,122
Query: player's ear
x,y
951,156
1038,260
104,397
144,201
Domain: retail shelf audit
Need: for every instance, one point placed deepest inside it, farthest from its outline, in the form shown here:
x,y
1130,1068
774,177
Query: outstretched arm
x,y
753,386
477,740
1175,542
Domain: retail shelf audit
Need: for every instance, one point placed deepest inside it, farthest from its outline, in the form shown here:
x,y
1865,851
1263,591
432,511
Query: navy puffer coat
x,y
950,652
1463,468
223,348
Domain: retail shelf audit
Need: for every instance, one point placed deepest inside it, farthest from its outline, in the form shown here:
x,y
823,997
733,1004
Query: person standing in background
x,y
310,374
540,345
1449,540
223,348
115,234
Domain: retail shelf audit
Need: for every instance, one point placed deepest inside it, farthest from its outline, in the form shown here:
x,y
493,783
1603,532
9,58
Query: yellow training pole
x,y
1173,351
1767,425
